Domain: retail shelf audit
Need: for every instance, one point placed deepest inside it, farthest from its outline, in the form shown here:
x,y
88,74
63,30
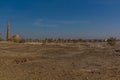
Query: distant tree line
x,y
64,40
111,41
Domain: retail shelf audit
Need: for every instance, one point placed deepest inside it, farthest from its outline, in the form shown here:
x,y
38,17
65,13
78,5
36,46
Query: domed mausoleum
x,y
16,38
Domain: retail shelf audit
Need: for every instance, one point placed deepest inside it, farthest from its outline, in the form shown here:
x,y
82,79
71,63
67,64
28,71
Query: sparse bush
x,y
43,43
20,60
22,41
111,41
1,39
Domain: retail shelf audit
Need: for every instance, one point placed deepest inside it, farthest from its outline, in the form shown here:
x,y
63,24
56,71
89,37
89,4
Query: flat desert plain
x,y
59,61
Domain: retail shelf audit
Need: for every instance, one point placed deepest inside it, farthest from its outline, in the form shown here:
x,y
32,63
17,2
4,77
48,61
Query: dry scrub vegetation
x,y
78,61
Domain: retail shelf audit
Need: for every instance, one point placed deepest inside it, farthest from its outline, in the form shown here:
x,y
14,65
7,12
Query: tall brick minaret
x,y
8,31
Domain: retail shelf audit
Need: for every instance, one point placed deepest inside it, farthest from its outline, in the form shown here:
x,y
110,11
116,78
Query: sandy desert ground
x,y
79,61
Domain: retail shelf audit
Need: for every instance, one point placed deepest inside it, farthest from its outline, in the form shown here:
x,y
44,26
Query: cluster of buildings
x,y
14,37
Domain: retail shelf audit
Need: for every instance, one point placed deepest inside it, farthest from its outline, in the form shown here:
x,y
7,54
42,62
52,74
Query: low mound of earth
x,y
79,61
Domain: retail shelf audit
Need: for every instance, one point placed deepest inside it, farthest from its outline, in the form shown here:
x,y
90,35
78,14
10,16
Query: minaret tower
x,y
8,31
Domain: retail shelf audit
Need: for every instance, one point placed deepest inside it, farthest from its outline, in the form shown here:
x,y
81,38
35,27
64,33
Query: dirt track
x,y
84,61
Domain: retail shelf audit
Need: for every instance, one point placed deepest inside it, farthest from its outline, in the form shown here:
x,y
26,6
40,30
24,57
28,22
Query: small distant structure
x,y
106,40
